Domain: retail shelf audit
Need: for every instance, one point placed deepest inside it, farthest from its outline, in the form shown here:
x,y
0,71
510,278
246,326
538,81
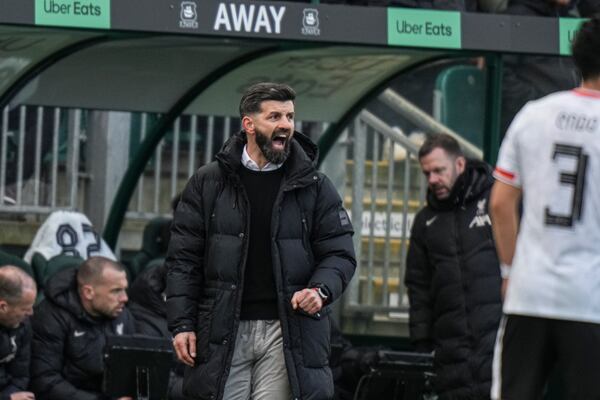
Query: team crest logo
x,y
481,217
481,206
310,22
188,15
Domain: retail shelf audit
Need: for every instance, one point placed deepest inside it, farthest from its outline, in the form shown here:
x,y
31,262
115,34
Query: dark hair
x,y
91,270
442,141
586,48
254,96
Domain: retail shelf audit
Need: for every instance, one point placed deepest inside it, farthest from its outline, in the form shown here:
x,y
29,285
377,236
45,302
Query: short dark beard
x,y
265,144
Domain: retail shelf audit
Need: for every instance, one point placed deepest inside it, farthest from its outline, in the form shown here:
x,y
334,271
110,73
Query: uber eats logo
x,y
408,27
79,13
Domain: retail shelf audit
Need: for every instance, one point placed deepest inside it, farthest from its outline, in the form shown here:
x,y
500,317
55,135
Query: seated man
x,y
17,295
81,308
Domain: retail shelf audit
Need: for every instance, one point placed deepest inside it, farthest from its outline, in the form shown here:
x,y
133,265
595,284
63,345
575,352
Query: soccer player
x,y
550,158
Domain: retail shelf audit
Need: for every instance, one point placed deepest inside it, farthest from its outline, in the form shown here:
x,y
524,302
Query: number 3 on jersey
x,y
574,178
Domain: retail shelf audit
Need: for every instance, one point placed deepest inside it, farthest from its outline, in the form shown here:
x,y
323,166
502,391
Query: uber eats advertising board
x,y
73,13
305,22
410,27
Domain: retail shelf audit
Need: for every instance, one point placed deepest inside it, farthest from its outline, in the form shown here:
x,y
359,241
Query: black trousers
x,y
529,348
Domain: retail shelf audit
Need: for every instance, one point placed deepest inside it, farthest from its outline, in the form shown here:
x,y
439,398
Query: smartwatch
x,y
322,292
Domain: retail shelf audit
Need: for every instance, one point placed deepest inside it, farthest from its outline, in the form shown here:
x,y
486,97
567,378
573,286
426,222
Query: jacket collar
x,y
475,180
299,168
253,166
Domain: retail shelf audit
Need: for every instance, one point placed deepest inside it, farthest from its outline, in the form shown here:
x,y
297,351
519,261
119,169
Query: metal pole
x,y
140,185
192,149
175,157
157,174
227,129
392,134
374,170
493,109
73,157
358,183
21,154
3,154
404,237
38,156
422,190
210,133
54,178
388,225
425,121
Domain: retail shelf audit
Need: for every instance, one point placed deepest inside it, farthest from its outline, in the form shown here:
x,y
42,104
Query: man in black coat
x,y
452,272
81,308
17,295
260,247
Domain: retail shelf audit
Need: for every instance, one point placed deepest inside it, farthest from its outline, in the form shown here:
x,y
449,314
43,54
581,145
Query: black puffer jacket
x,y
68,344
15,354
147,304
453,281
311,243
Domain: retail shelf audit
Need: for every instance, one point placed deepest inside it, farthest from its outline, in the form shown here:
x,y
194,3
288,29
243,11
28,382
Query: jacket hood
x,y
476,179
301,162
61,289
148,288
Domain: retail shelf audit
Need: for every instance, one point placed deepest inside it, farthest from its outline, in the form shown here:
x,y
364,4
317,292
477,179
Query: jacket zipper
x,y
285,187
304,231
461,264
240,289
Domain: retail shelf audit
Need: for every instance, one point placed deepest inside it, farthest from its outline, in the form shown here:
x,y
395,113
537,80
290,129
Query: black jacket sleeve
x,y
185,258
418,284
331,241
47,361
18,368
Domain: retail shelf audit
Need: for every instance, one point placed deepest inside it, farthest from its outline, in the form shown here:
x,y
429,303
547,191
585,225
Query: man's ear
x,y
248,125
87,292
461,163
3,306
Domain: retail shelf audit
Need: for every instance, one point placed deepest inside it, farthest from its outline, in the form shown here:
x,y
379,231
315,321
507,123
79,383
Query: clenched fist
x,y
307,300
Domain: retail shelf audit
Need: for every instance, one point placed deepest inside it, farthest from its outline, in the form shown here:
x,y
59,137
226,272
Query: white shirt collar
x,y
251,165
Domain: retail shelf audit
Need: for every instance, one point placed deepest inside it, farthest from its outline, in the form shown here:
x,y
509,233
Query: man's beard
x,y
434,189
446,195
265,144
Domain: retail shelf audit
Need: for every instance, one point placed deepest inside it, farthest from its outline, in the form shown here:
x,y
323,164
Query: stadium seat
x,y
156,262
459,101
44,269
154,245
10,259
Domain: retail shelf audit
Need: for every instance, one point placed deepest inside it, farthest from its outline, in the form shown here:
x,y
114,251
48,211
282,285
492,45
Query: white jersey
x,y
552,152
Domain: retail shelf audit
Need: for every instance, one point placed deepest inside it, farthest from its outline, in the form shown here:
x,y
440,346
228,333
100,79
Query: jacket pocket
x,y
306,241
316,339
